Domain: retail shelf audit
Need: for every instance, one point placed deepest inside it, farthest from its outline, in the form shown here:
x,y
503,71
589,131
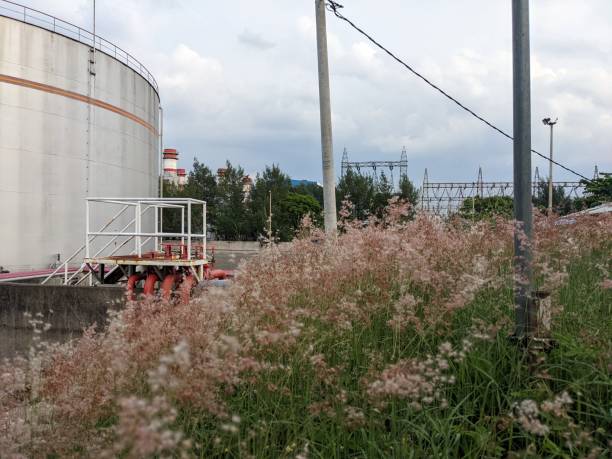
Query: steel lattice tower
x,y
375,166
445,198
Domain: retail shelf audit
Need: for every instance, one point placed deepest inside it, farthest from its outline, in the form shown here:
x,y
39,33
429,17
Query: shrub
x,y
389,340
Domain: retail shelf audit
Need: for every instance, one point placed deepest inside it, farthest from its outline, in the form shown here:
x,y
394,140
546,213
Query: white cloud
x,y
306,26
364,52
255,40
223,100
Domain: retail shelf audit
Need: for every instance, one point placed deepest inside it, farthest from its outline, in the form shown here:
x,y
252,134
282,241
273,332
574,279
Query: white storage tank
x,y
69,128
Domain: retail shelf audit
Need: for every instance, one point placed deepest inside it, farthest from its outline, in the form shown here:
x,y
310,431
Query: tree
x,y
296,206
200,185
370,198
276,181
479,208
359,190
172,217
230,210
408,192
382,193
312,189
599,190
289,204
562,204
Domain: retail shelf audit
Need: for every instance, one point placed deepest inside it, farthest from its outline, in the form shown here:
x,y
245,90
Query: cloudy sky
x,y
238,80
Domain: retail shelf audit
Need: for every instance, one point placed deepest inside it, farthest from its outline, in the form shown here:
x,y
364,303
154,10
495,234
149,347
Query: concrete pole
x,y
329,182
550,174
523,235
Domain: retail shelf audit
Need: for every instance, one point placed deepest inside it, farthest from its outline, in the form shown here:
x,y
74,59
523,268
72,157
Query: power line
x,y
335,6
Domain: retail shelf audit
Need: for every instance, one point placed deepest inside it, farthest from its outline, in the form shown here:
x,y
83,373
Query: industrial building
x,y
79,117
172,173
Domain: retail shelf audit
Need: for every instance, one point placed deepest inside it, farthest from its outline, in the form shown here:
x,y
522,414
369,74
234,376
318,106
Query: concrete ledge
x,y
238,246
65,308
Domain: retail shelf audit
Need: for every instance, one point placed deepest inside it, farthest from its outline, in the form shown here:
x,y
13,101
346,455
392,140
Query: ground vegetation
x,y
389,340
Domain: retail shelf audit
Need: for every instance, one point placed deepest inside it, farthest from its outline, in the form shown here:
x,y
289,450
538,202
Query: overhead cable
x,y
334,7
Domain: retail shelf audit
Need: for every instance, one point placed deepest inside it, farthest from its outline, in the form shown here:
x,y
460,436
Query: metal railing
x,y
64,266
132,232
38,18
157,233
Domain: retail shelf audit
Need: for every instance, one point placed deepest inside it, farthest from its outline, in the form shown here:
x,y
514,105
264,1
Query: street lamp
x,y
549,122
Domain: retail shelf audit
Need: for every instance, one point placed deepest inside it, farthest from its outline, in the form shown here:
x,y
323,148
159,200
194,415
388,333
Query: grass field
x,y
391,341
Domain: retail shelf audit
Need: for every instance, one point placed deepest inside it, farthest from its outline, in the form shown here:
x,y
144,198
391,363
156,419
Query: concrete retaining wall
x,y
65,308
238,246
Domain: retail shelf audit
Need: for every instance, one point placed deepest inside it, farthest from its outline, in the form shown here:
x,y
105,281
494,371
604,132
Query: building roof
x,y
570,219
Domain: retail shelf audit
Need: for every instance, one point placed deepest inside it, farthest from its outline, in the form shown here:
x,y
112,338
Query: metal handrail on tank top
x,y
37,18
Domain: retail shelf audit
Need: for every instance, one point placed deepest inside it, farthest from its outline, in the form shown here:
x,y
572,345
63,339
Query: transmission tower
x,y
536,181
445,198
376,166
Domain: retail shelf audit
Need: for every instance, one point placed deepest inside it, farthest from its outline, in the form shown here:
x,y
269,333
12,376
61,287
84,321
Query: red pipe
x,y
167,286
131,286
219,274
185,288
149,286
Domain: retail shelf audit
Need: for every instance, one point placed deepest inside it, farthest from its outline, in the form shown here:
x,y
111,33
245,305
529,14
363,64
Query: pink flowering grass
x,y
390,340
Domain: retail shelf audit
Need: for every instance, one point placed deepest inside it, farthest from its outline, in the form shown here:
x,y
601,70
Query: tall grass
x,y
390,341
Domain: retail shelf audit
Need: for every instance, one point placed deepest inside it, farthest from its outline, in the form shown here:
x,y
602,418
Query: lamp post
x,y
549,122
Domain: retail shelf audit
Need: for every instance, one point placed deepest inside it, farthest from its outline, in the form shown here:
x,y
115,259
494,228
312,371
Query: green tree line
x,y
596,191
235,214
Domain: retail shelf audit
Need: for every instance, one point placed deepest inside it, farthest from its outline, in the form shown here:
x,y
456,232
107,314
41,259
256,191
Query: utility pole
x,y
523,234
270,238
329,185
548,122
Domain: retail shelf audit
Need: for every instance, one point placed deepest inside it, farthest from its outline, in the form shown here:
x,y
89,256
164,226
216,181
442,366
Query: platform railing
x,y
131,232
140,205
114,251
38,18
64,266
89,275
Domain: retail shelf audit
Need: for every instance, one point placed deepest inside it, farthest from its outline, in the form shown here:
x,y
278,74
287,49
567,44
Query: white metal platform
x,y
141,241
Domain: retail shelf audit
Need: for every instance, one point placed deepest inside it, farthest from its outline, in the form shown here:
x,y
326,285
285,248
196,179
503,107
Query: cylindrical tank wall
x,y
66,134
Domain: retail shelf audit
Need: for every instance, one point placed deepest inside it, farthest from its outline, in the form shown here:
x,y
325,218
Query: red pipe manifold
x,y
167,285
149,286
219,274
185,288
131,286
